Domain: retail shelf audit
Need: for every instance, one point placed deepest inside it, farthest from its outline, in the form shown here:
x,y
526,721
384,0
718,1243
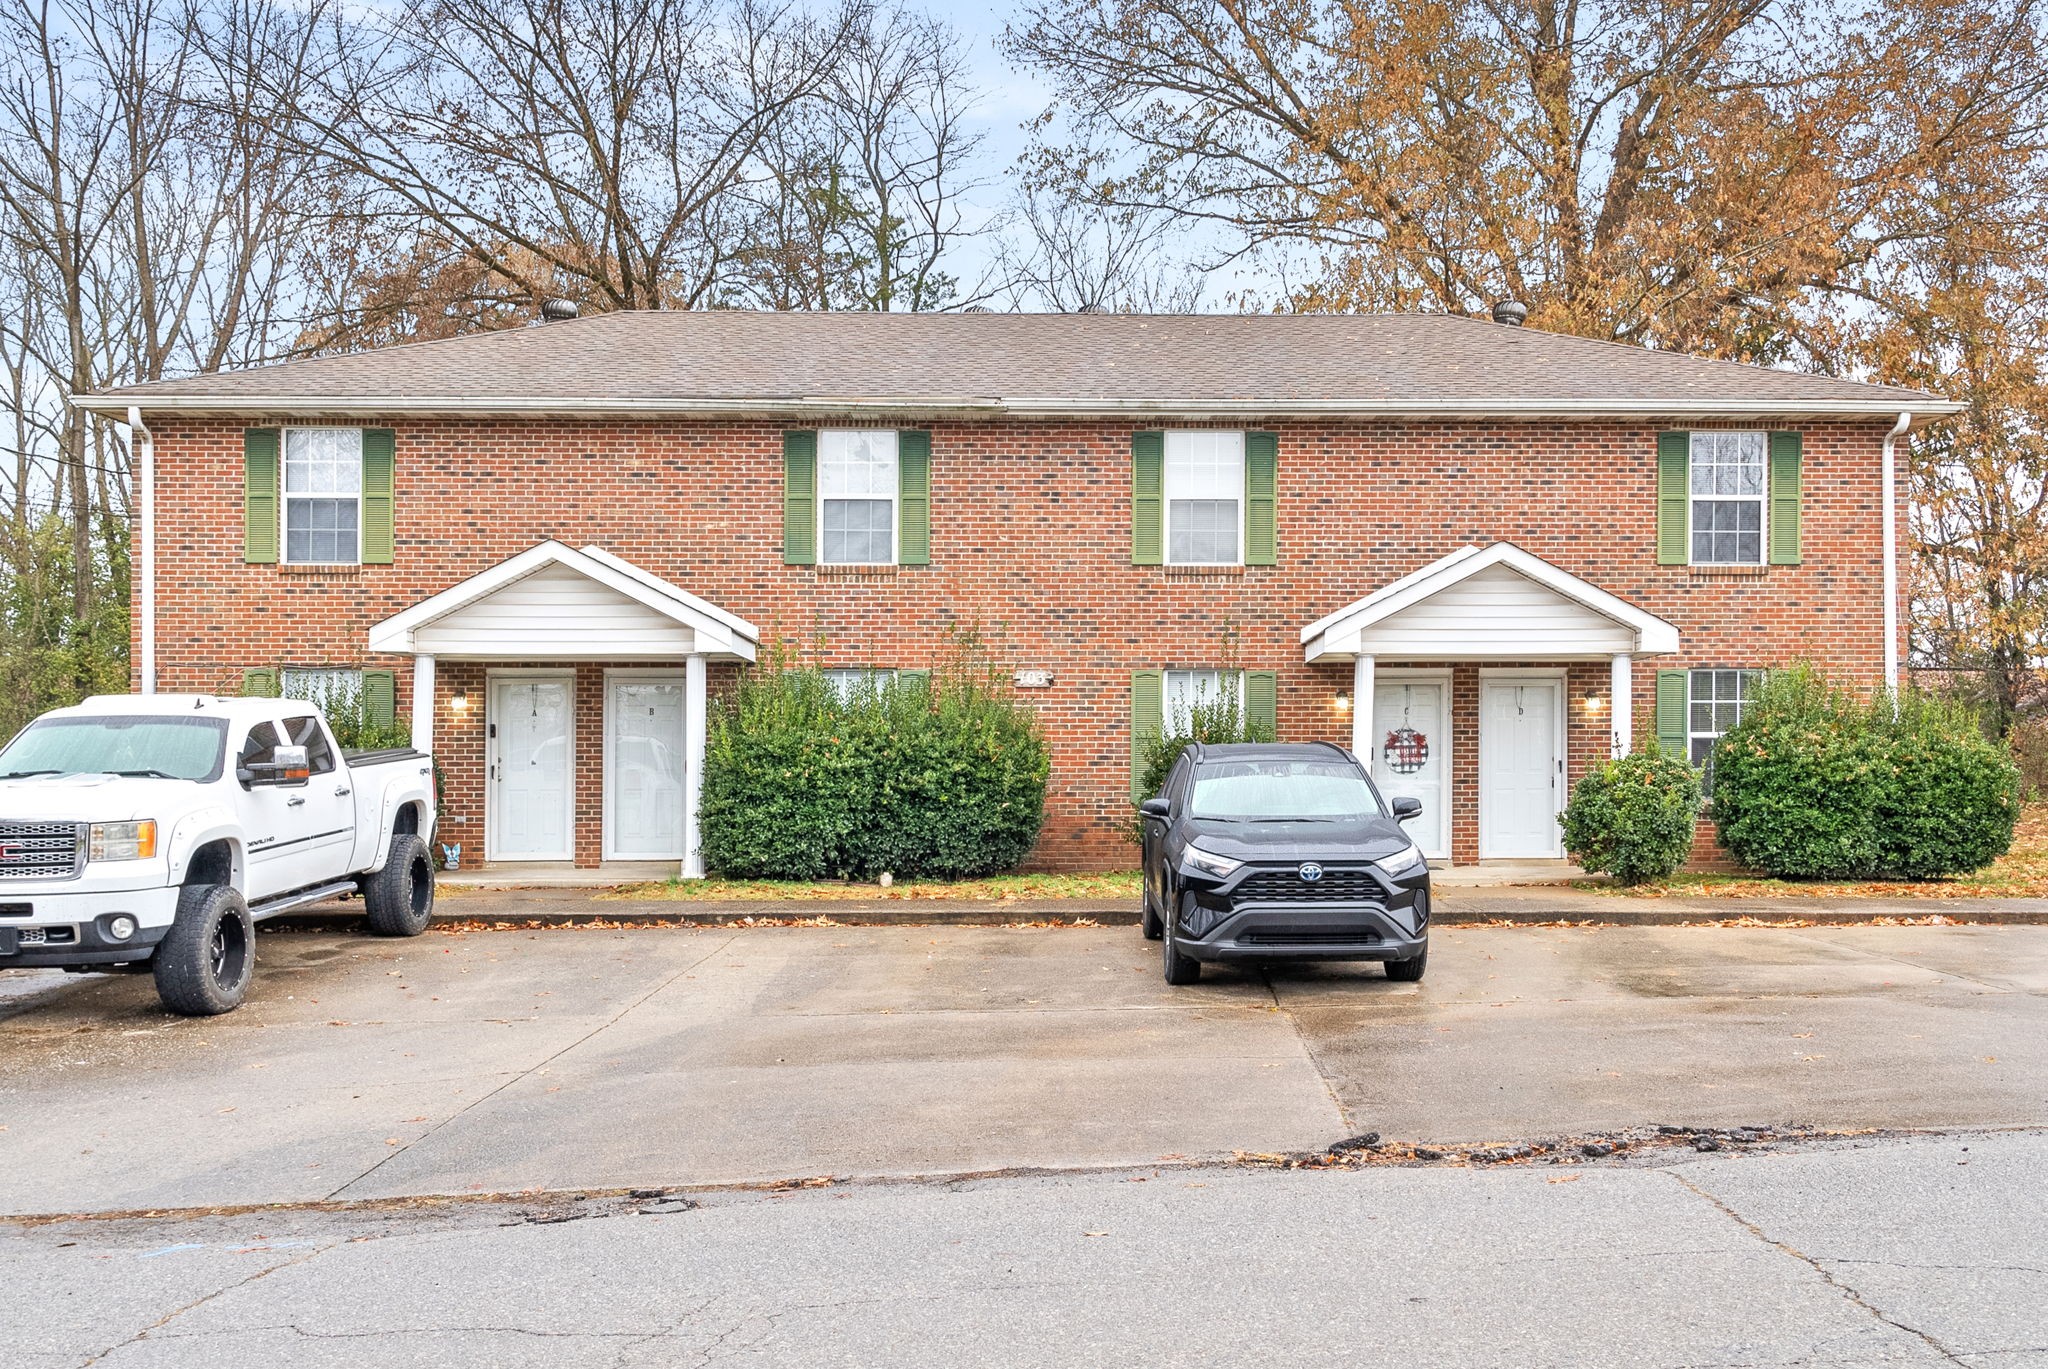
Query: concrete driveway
x,y
591,1058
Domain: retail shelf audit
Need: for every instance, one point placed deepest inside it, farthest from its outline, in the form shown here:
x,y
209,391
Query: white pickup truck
x,y
155,830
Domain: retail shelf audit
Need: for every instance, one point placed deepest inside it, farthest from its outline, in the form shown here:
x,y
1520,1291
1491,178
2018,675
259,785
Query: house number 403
x,y
1034,679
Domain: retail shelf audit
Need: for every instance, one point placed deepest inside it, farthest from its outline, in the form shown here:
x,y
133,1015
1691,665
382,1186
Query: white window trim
x,y
895,499
886,674
285,497
1763,544
356,689
1167,496
1166,694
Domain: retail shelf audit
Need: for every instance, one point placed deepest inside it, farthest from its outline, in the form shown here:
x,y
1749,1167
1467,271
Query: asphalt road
x,y
1876,1253
584,1058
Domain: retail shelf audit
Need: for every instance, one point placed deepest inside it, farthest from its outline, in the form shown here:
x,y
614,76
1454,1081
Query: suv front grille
x,y
1287,886
40,850
1307,936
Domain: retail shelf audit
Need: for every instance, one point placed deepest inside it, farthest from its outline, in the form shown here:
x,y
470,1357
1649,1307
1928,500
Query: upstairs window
x,y
1728,485
323,496
1204,498
856,498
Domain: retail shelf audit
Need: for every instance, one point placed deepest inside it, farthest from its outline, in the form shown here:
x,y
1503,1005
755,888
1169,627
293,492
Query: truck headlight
x,y
122,840
1402,862
1209,863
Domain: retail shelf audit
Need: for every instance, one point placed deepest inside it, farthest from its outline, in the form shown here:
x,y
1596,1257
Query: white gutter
x,y
1017,406
142,448
1891,557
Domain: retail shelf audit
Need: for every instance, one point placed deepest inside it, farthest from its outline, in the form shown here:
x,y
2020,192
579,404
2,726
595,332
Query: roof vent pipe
x,y
555,310
1511,313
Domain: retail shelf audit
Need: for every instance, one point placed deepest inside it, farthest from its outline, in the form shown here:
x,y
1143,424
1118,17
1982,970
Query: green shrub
x,y
1210,721
1817,782
1634,817
946,781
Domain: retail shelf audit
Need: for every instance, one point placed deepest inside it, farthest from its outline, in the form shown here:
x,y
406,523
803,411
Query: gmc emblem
x,y
9,851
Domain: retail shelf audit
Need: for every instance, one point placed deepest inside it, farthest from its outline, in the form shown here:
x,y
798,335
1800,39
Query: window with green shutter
x,y
800,498
1262,703
259,496
1148,498
379,534
1672,688
1785,498
1148,709
914,497
260,684
1674,473
1261,477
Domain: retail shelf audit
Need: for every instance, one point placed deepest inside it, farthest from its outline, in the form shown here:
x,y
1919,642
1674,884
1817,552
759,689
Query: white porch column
x,y
1621,702
423,702
1361,709
694,729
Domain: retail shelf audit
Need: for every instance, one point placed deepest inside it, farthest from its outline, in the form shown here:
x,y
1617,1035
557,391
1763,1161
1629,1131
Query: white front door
x,y
1410,747
1521,770
643,768
530,813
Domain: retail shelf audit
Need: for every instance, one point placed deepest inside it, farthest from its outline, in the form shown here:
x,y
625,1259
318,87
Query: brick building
x,y
1480,555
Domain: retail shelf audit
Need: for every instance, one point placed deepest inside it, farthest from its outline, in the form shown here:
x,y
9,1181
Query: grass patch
x,y
1119,885
2021,873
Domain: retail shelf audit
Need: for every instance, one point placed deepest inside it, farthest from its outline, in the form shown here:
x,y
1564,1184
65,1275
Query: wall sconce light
x,y
1596,705
1343,703
459,702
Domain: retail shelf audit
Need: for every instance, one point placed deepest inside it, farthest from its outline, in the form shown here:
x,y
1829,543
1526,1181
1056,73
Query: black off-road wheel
x,y
1180,969
204,963
399,898
1408,971
1148,920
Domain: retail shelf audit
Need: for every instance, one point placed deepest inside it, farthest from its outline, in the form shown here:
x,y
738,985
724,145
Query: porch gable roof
x,y
693,625
1559,615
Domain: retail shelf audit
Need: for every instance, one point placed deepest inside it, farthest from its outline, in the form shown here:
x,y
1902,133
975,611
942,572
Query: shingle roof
x,y
732,361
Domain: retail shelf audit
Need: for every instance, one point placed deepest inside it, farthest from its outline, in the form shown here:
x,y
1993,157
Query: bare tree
x,y
1071,256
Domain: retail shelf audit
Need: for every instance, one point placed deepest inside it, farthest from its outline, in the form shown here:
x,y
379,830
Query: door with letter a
x,y
529,782
1521,767
1411,754
643,766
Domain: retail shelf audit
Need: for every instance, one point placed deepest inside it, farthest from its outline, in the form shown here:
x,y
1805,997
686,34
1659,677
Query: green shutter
x,y
1261,463
914,497
1262,703
259,496
1671,707
1674,484
380,697
1148,705
920,680
379,444
259,684
1148,499
799,498
1785,459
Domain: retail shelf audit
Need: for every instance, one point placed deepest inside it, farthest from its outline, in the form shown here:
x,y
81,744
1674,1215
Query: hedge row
x,y
942,779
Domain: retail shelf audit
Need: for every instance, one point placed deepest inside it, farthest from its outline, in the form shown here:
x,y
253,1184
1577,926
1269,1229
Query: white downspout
x,y
144,453
1891,556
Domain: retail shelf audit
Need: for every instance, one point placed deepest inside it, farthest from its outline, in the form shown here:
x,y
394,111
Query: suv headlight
x,y
1402,862
1209,863
122,840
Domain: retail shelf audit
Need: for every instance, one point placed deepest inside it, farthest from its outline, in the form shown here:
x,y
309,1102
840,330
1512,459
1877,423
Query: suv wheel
x,y
1408,971
203,964
1180,969
1148,918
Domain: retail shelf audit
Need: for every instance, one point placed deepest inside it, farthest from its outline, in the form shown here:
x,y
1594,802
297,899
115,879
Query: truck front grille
x,y
41,850
1287,886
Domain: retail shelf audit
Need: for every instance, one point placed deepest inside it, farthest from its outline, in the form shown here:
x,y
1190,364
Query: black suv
x,y
1266,852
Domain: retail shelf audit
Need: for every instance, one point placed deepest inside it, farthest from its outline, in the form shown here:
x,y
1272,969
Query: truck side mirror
x,y
288,768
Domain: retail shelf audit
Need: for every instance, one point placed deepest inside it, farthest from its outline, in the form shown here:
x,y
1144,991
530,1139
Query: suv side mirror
x,y
1406,808
288,768
1154,808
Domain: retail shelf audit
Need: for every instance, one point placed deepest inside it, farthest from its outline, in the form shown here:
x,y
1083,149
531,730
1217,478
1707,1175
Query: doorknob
x,y
295,801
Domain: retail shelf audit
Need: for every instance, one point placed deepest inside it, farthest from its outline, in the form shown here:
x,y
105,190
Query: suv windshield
x,y
1282,790
166,748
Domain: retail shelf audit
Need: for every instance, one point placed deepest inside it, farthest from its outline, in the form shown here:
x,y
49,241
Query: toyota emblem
x,y
1311,872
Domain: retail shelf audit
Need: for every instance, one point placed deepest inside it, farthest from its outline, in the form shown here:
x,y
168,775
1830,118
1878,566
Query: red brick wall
x,y
1031,540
